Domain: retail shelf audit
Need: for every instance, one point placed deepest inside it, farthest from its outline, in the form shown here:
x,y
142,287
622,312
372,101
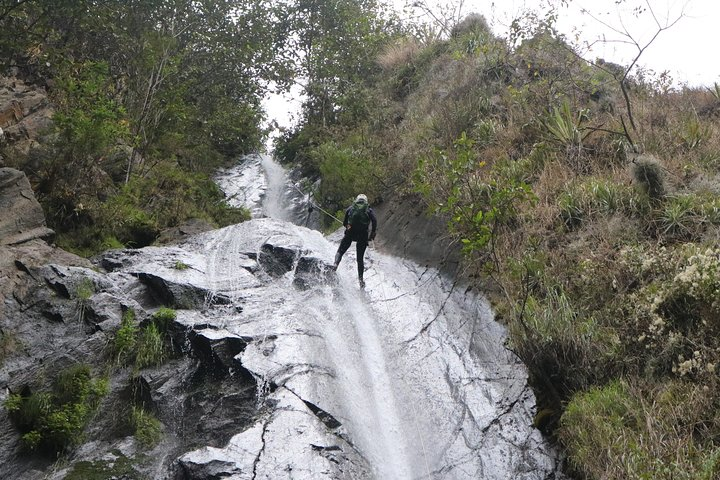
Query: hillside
x,y
585,201
582,196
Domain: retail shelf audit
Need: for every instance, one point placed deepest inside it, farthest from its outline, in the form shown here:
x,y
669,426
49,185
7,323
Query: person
x,y
358,218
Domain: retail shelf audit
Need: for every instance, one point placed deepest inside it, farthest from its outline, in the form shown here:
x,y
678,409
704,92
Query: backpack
x,y
359,218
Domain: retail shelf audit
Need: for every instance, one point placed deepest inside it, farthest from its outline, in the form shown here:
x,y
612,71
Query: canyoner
x,y
359,217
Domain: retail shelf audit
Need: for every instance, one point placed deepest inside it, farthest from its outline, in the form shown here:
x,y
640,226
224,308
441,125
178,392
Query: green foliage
x,y
345,171
171,106
144,346
148,429
180,265
453,184
611,432
693,133
51,422
151,347
565,128
126,337
594,197
163,317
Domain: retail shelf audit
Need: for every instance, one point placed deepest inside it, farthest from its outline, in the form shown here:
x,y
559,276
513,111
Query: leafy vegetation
x,y
586,195
51,422
147,345
148,429
145,111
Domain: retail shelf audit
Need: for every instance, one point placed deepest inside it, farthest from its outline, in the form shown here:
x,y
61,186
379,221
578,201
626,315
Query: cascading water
x,y
407,379
278,367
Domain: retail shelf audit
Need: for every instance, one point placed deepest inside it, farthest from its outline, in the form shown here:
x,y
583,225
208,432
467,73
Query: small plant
x,y
693,133
715,91
147,345
563,127
52,422
151,347
126,337
678,216
148,429
180,265
83,292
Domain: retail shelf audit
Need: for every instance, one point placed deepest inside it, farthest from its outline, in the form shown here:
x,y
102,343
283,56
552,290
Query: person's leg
x,y
344,245
361,246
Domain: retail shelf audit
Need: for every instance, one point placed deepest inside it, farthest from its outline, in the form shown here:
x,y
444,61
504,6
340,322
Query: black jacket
x,y
358,235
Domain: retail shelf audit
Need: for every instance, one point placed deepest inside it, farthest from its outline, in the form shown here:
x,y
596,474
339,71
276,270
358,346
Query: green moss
x,y
120,467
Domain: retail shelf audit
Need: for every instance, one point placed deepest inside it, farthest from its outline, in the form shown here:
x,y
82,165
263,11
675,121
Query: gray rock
x,y
23,218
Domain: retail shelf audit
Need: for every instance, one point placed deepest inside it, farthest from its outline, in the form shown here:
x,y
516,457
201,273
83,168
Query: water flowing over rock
x,y
282,368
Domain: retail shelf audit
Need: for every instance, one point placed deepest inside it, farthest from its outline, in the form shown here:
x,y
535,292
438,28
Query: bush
x,y
346,171
620,431
648,175
53,422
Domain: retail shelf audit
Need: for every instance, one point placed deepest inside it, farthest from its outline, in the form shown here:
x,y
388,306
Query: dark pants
x,y
360,243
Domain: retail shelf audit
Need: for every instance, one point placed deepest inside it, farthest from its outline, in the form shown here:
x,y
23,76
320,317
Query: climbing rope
x,y
315,205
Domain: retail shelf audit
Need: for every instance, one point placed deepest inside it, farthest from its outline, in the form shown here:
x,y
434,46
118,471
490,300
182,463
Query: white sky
x,y
688,50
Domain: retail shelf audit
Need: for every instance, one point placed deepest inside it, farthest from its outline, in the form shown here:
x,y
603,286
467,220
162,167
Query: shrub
x,y
53,422
344,170
648,175
621,431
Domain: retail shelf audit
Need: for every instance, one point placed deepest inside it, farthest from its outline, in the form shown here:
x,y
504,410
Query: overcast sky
x,y
688,49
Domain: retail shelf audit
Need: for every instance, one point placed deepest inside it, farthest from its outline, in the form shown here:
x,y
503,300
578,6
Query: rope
x,y
315,205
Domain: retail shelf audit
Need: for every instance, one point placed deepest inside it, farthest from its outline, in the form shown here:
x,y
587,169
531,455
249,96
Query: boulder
x,y
23,218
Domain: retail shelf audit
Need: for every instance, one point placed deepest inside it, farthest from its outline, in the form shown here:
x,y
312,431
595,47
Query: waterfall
x,y
412,371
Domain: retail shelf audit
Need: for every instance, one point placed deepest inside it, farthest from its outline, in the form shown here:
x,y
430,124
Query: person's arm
x,y
346,220
373,220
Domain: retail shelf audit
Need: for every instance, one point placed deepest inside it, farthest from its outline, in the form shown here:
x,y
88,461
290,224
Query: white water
x,y
413,368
